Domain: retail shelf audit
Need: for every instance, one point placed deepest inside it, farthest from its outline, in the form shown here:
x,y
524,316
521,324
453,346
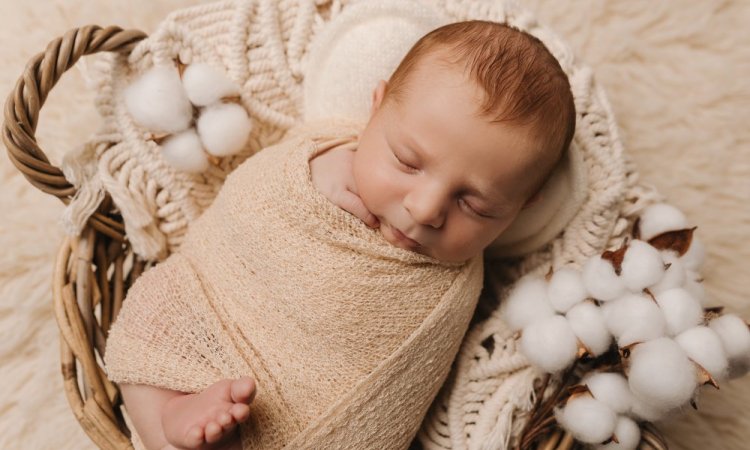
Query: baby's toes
x,y
213,432
240,412
243,390
225,420
194,437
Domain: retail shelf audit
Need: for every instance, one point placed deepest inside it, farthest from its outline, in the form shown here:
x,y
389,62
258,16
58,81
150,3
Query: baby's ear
x,y
377,96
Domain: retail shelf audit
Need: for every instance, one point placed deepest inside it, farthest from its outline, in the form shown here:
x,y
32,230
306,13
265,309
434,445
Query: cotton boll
x,y
734,335
157,101
634,318
661,373
205,84
735,339
183,151
704,346
674,277
526,303
611,389
643,410
628,434
549,343
642,266
695,256
587,419
224,128
694,285
600,279
681,310
587,321
566,289
661,218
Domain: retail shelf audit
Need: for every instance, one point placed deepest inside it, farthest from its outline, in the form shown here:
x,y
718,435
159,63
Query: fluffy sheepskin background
x,y
676,74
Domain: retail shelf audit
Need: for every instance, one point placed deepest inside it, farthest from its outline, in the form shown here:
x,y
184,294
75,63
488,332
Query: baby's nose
x,y
426,210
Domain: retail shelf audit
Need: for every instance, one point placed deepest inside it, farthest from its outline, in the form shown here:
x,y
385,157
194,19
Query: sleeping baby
x,y
320,300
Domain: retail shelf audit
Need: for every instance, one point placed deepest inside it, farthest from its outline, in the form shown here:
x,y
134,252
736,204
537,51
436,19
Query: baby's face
x,y
442,180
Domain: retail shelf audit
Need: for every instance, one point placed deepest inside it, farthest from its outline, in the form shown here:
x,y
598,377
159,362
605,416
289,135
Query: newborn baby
x,y
344,258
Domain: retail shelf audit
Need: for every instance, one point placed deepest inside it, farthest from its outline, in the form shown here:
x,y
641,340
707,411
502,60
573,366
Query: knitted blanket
x,y
348,337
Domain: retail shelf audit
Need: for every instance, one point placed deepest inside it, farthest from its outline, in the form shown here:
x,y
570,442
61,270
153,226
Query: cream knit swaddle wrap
x,y
348,337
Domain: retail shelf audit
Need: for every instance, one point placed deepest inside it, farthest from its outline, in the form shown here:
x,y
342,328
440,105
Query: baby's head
x,y
462,137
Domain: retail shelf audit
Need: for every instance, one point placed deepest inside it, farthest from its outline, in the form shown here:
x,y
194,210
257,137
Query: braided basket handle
x,y
27,98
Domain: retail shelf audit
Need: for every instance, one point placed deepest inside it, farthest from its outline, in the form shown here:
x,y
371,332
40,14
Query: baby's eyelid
x,y
473,210
402,162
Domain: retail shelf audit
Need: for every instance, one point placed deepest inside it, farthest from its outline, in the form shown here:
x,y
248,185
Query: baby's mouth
x,y
402,239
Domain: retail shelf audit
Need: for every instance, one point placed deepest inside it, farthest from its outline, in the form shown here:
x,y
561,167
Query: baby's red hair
x,y
523,82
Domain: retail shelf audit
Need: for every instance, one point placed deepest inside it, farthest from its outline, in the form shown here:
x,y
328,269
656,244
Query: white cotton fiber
x,y
734,335
587,419
157,101
526,303
681,310
674,276
694,285
549,343
224,128
703,346
661,374
611,389
642,266
587,321
661,218
735,339
205,84
183,151
695,256
628,435
600,279
634,318
643,410
566,289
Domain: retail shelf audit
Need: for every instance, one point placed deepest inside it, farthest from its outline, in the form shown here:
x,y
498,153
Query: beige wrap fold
x,y
348,337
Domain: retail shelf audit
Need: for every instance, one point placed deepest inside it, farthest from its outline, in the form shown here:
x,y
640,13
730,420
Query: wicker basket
x,y
94,271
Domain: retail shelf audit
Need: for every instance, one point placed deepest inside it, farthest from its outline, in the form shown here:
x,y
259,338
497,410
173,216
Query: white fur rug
x,y
677,76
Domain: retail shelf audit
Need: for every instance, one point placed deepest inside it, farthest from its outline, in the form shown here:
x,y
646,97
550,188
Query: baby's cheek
x,y
375,186
467,241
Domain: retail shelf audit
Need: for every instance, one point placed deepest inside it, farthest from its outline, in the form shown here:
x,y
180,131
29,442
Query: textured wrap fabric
x,y
349,337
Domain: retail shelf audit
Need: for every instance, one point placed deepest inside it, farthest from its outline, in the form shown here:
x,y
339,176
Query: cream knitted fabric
x,y
258,44
348,337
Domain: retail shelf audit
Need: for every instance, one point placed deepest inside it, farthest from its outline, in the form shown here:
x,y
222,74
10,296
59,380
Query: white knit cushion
x,y
361,46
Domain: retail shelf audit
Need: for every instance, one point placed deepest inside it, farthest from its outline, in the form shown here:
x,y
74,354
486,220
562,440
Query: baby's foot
x,y
195,421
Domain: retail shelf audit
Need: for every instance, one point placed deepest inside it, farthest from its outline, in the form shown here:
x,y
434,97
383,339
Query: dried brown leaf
x,y
704,377
615,257
678,240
